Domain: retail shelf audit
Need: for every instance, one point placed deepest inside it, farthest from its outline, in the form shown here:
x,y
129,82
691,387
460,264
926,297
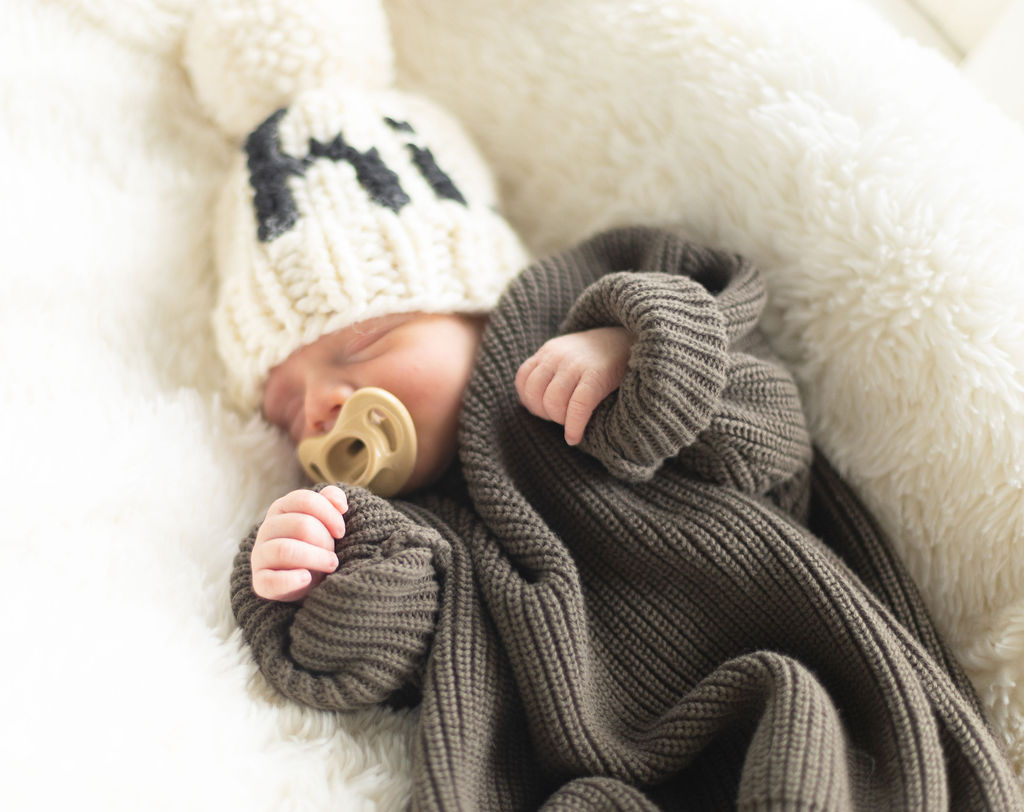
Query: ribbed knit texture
x,y
644,621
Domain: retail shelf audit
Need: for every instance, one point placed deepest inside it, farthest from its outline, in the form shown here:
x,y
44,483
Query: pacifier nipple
x,y
372,444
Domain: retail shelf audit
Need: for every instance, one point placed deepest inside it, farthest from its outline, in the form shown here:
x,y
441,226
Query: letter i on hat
x,y
347,199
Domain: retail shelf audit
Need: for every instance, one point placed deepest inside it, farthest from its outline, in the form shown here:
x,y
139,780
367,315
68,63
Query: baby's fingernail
x,y
337,497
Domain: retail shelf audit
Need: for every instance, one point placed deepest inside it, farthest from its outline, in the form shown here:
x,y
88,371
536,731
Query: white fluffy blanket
x,y
879,192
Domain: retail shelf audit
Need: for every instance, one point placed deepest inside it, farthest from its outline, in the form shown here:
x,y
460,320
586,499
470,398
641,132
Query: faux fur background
x,y
879,192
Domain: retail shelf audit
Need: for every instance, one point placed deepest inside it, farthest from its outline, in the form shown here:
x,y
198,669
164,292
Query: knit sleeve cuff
x,y
370,623
362,636
676,372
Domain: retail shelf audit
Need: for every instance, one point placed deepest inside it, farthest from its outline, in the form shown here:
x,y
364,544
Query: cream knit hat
x,y
348,199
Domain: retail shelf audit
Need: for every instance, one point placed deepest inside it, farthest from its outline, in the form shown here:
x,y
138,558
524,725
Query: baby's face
x,y
424,360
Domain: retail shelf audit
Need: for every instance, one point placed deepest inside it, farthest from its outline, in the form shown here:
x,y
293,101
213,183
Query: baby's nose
x,y
323,406
325,423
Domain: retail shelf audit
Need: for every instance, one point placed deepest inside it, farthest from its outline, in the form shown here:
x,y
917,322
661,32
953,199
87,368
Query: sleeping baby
x,y
594,573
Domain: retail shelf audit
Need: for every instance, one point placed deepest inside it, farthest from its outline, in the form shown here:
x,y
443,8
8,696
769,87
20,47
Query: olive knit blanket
x,y
646,620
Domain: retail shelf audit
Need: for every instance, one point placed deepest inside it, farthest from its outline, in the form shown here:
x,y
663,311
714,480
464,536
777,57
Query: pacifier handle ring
x,y
389,443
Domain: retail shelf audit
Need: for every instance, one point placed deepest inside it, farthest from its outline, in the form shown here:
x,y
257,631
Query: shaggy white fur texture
x,y
879,192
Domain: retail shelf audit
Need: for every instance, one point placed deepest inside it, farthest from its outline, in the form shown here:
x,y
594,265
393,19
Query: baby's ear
x,y
247,58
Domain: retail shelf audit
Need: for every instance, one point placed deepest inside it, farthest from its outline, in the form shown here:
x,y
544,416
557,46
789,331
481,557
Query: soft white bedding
x,y
880,193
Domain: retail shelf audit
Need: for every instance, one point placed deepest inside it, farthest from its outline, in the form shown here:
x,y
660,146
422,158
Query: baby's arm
x,y
361,637
683,384
571,374
294,548
657,338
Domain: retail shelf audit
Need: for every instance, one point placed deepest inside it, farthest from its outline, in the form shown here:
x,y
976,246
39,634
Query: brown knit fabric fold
x,y
644,621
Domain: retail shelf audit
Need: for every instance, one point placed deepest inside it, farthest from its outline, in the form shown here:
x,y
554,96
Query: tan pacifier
x,y
372,444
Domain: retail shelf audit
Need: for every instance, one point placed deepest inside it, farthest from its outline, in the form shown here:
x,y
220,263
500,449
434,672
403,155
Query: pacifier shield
x,y
372,444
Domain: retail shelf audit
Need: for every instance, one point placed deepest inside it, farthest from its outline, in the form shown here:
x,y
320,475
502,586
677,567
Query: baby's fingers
x,y
292,554
586,395
339,501
327,507
531,383
523,373
283,585
559,391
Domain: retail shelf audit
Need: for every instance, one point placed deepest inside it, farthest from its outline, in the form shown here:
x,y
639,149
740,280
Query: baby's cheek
x,y
433,399
436,432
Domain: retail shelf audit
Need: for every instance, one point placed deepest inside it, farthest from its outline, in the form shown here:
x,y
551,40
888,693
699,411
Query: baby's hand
x,y
294,547
569,375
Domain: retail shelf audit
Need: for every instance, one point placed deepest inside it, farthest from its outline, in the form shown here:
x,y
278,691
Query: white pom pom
x,y
247,58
